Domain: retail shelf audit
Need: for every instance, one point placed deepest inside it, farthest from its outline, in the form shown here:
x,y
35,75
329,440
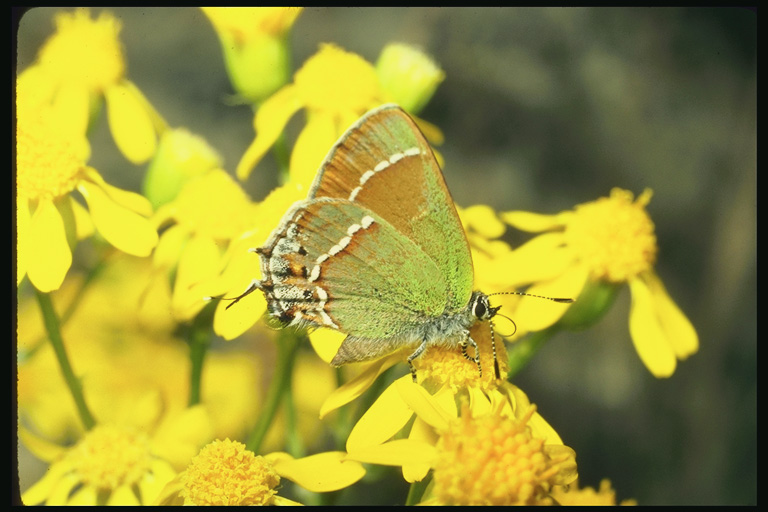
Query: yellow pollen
x,y
445,364
492,460
614,236
337,81
85,51
225,473
110,456
48,164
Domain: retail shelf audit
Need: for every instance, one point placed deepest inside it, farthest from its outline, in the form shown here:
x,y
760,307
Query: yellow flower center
x,y
225,473
614,236
48,164
85,51
228,211
336,80
110,456
446,365
492,460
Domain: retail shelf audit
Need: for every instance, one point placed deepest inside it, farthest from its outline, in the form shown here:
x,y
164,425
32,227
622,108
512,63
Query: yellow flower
x,y
495,450
112,464
441,368
226,473
50,165
209,212
84,61
587,496
409,75
253,40
608,241
335,87
110,352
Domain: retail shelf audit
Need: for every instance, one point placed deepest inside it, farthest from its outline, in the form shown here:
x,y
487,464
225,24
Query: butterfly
x,y
377,250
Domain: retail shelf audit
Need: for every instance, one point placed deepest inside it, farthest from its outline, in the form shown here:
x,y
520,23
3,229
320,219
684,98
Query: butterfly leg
x,y
413,356
469,341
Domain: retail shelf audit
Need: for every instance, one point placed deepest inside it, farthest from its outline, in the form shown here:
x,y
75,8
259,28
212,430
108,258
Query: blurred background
x,y
543,109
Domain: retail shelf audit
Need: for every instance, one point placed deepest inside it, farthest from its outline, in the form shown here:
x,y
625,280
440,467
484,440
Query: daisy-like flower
x,y
441,368
607,241
226,473
494,450
112,464
209,212
587,496
335,87
50,165
83,62
256,53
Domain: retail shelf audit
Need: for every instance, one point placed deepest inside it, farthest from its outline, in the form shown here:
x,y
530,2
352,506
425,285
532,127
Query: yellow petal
x,y
39,447
423,432
199,261
311,147
535,314
479,403
83,222
84,496
531,222
231,322
130,124
396,453
649,338
326,342
323,472
49,256
62,489
131,200
169,247
483,220
386,416
421,402
539,259
42,489
123,496
153,482
357,386
679,330
126,230
269,122
71,107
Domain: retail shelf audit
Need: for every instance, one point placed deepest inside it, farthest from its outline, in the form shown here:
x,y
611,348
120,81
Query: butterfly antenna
x,y
493,346
255,285
560,300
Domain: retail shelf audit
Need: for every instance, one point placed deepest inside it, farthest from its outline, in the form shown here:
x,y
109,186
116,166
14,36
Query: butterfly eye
x,y
480,308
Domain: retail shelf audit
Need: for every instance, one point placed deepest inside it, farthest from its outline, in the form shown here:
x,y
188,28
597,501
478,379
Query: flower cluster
x,y
137,385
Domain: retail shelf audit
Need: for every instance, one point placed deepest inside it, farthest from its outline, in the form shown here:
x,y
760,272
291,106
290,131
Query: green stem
x,y
416,491
521,352
89,279
282,154
53,326
199,340
287,344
